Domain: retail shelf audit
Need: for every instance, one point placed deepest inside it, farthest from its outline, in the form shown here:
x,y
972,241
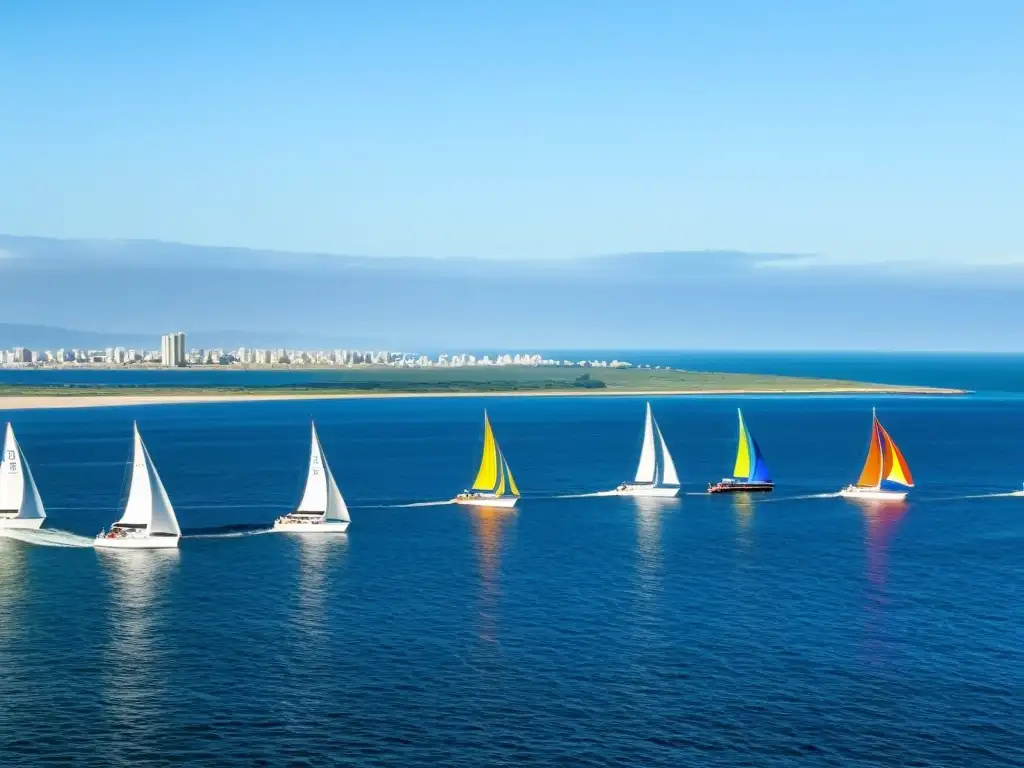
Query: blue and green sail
x,y
750,464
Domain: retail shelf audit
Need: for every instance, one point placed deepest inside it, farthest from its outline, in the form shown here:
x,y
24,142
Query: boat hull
x,y
725,487
32,524
649,491
494,502
872,494
141,542
332,527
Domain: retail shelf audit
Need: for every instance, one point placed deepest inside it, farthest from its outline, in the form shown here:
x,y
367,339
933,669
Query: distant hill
x,y
122,291
40,337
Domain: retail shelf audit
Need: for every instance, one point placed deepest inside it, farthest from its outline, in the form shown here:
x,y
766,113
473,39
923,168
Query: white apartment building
x,y
172,349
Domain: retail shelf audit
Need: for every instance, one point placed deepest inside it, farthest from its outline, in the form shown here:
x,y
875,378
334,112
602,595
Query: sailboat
x,y
148,521
322,508
20,505
656,473
886,476
750,474
494,485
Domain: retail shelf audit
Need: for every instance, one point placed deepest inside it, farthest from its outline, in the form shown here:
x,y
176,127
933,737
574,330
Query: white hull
x,y
496,502
332,527
140,542
31,524
1017,493
872,494
650,491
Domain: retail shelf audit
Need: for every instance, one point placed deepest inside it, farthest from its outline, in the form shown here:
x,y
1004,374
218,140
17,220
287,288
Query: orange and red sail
x,y
885,466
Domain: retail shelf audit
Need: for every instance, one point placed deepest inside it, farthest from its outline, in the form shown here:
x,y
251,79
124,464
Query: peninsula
x,y
374,381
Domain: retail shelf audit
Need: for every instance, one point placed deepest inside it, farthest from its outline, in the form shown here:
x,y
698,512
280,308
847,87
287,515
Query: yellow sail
x,y
500,490
742,468
487,476
512,488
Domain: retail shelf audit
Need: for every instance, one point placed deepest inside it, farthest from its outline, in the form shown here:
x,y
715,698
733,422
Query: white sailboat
x,y
656,474
148,521
322,508
20,505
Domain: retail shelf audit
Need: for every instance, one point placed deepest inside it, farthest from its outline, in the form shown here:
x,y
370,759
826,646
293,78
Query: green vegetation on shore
x,y
510,379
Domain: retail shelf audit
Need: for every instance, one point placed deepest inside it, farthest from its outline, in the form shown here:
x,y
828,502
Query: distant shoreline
x,y
41,402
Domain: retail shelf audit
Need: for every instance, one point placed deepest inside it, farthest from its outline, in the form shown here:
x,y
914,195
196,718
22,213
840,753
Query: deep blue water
x,y
711,631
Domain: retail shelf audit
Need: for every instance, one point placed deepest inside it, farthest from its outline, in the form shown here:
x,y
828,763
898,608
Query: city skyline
x,y
174,354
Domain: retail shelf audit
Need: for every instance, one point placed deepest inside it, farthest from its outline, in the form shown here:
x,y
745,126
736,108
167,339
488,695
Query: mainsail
x,y
148,505
18,492
885,466
322,495
494,475
656,466
750,464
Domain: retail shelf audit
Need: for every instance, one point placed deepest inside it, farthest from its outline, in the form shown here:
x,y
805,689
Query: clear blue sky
x,y
858,130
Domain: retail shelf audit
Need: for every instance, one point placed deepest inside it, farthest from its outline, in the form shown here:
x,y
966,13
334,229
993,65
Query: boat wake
x,y
226,532
805,496
47,537
985,496
444,503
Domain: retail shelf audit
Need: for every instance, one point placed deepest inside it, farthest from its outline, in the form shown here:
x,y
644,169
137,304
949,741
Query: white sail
x,y
337,509
18,491
12,481
140,493
646,470
162,519
315,497
148,504
31,503
668,467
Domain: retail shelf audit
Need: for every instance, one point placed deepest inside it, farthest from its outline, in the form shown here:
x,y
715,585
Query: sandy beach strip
x,y
39,402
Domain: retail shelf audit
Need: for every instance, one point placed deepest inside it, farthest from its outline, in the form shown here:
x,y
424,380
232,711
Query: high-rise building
x,y
172,349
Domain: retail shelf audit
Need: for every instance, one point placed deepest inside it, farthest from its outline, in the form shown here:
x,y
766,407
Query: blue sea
x,y
793,629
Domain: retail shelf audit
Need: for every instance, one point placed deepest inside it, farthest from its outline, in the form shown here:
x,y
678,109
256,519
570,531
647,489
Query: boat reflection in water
x,y
12,577
318,553
881,520
489,532
138,662
12,594
649,513
743,511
